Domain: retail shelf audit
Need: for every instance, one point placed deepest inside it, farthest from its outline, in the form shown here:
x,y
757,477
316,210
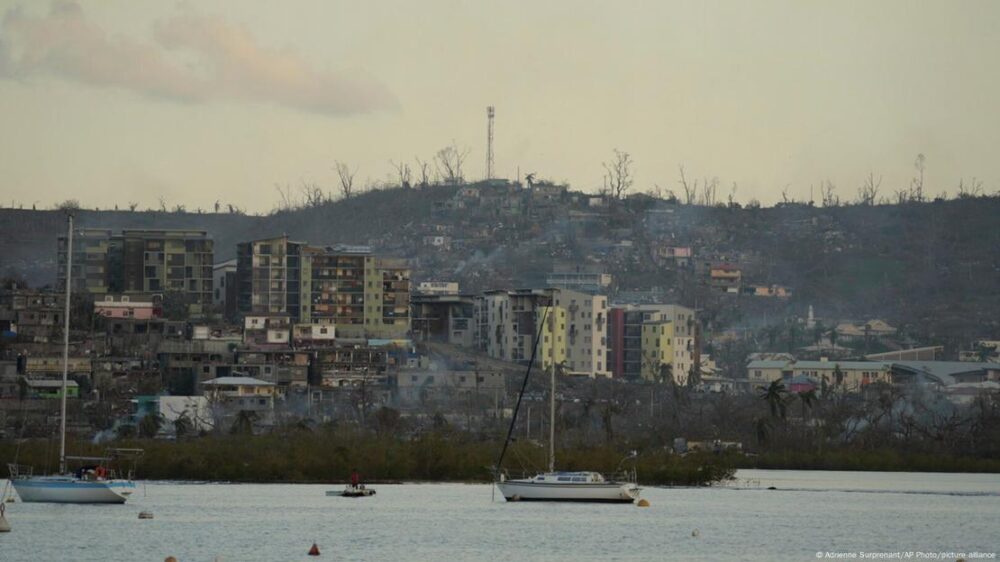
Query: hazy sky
x,y
120,100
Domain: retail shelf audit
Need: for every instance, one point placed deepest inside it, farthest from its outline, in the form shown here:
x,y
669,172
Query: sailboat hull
x,y
71,490
604,492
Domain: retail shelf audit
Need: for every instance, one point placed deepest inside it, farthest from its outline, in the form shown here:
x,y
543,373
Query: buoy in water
x,y
314,551
169,559
145,515
643,503
696,533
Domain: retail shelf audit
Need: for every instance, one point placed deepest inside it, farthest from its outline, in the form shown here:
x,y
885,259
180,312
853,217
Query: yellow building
x,y
552,348
658,351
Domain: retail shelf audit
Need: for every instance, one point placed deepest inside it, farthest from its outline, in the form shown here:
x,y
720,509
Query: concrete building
x,y
447,318
642,345
437,288
579,279
417,387
726,278
576,327
171,408
141,261
30,315
849,376
128,306
225,289
363,295
51,388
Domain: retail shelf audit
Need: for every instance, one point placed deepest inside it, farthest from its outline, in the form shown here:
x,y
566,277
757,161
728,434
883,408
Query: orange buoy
x,y
314,551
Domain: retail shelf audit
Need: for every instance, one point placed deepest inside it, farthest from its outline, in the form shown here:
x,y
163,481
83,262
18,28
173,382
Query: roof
x,y
845,365
237,381
944,371
767,364
46,383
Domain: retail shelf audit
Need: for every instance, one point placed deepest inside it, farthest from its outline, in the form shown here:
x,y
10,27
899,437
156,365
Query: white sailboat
x,y
98,483
583,486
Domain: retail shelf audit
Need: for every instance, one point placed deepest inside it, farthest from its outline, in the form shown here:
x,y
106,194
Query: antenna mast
x,y
489,142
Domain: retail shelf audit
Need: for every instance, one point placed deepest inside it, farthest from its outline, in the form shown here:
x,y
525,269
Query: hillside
x,y
932,268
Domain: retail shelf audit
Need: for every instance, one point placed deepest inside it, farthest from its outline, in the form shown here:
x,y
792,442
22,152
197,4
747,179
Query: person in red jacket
x,y
355,478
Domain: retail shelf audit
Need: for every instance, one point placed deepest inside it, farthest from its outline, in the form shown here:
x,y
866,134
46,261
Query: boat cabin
x,y
570,478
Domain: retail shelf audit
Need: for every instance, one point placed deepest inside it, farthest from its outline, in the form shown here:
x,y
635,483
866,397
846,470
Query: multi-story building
x,y
32,315
726,278
641,344
93,260
269,276
225,288
363,295
141,261
444,318
579,278
657,350
575,328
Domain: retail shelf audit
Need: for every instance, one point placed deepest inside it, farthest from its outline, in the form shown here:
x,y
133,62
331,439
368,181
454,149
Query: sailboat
x,y
97,483
581,486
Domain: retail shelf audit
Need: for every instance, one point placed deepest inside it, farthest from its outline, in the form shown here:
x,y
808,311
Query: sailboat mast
x,y
552,398
65,373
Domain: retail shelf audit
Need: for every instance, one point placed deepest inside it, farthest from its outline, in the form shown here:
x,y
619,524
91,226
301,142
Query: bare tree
x,y
709,188
868,193
827,191
690,190
618,174
163,204
402,172
312,194
132,206
424,168
732,196
449,161
917,183
286,199
346,179
967,191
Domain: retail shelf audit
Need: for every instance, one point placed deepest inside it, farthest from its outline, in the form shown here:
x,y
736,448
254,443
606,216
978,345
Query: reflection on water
x,y
808,512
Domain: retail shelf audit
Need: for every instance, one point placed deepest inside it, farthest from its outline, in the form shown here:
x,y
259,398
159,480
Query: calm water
x,y
812,511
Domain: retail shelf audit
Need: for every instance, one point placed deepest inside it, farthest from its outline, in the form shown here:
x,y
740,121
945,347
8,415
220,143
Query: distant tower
x,y
489,142
811,320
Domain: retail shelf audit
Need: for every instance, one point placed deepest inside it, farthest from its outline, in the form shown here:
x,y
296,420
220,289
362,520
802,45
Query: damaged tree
x,y
346,179
618,177
449,162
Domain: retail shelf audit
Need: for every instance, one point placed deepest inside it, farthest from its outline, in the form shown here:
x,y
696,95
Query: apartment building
x,y
573,337
363,295
646,338
140,261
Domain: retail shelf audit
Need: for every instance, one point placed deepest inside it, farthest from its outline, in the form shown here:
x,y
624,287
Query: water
x,y
812,511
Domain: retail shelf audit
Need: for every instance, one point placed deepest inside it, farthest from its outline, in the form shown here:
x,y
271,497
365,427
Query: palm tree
x,y
243,424
774,395
183,425
806,399
984,352
666,372
762,429
150,424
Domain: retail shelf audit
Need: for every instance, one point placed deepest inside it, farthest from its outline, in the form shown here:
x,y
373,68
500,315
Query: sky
x,y
118,101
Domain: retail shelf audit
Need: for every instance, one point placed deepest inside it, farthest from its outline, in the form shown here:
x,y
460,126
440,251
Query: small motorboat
x,y
359,491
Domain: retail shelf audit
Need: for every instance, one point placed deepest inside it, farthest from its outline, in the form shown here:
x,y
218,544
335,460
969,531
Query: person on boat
x,y
355,479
